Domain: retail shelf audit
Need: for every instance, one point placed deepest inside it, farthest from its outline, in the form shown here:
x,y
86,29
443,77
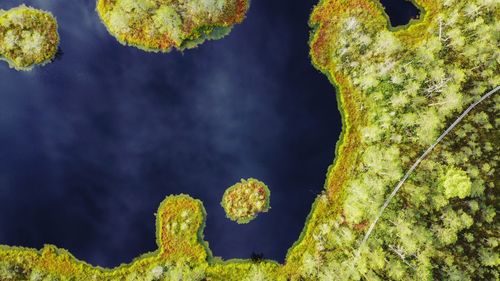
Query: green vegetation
x,y
28,37
243,201
157,25
456,183
398,90
182,255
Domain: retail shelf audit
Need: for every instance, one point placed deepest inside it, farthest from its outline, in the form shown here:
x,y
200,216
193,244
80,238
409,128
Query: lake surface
x,y
92,143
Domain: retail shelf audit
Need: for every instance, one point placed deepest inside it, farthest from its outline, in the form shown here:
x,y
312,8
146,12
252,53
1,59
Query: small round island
x,y
28,37
243,201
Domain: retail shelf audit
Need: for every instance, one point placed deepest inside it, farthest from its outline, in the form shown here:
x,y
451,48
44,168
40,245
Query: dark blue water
x,y
400,12
92,143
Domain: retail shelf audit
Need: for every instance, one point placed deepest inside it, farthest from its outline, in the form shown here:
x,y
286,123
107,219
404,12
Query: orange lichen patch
x,y
243,201
348,143
180,222
156,25
53,259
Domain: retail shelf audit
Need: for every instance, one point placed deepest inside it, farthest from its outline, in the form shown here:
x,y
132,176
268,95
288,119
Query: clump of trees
x,y
456,183
243,201
28,37
400,90
157,25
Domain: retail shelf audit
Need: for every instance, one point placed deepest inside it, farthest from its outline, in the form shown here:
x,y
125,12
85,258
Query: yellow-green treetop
x,y
28,37
157,25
